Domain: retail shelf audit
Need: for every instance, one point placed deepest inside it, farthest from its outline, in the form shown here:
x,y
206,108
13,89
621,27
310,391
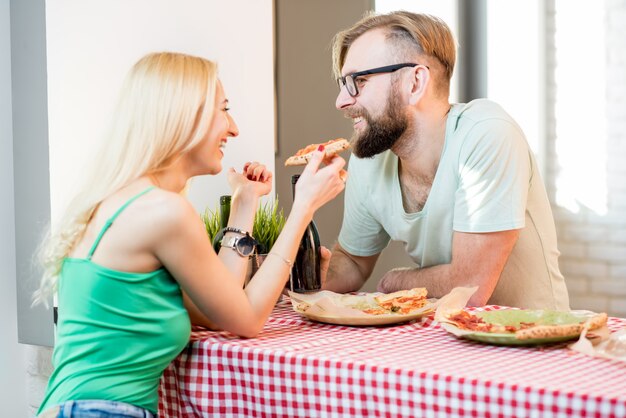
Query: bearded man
x,y
456,183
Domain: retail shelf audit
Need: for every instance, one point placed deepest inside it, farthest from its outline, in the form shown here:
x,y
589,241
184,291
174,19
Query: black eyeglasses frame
x,y
341,81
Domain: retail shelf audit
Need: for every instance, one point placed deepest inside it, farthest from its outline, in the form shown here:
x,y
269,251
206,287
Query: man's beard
x,y
382,133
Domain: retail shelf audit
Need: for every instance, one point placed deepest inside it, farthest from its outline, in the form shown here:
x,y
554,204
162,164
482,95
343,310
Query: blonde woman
x,y
131,260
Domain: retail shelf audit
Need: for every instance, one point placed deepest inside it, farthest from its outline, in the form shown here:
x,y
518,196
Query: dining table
x,y
297,367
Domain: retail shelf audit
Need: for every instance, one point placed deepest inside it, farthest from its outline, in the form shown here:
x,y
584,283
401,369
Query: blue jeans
x,y
97,409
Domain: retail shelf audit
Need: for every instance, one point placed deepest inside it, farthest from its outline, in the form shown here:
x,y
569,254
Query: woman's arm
x,y
185,250
247,187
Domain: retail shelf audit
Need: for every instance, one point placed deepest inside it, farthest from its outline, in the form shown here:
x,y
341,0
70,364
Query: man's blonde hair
x,y
409,34
164,110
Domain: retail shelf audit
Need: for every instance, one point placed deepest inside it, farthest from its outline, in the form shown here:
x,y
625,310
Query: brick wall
x,y
615,283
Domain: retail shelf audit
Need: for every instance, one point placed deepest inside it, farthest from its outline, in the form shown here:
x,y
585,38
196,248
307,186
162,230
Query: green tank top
x,y
116,332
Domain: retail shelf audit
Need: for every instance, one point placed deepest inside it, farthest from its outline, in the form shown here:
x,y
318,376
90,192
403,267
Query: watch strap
x,y
236,231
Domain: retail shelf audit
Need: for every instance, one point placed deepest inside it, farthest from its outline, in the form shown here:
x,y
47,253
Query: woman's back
x,y
117,330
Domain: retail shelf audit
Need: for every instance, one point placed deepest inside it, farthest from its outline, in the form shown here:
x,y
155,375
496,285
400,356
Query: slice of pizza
x,y
403,301
526,330
331,148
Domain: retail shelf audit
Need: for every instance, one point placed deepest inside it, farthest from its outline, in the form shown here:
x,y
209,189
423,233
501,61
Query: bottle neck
x,y
224,210
294,180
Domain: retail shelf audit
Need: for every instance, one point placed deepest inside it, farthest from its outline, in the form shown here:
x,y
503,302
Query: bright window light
x,y
581,106
515,66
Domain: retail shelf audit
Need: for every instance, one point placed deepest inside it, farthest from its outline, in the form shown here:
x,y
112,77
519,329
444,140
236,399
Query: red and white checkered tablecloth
x,y
300,368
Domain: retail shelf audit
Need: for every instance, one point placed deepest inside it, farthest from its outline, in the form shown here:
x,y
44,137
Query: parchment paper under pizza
x,y
363,308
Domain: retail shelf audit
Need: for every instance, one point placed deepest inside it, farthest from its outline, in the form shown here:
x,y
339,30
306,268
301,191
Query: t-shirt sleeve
x,y
494,177
361,234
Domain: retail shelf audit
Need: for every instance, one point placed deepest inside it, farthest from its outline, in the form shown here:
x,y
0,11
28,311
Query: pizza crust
x,y
331,148
416,292
570,330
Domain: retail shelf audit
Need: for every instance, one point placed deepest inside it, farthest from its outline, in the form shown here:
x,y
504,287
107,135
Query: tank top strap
x,y
109,222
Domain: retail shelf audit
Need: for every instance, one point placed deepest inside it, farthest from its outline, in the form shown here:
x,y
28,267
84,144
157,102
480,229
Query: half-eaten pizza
x,y
527,324
331,148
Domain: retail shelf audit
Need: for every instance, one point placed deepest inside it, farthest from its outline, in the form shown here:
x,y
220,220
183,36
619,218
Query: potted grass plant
x,y
212,222
269,221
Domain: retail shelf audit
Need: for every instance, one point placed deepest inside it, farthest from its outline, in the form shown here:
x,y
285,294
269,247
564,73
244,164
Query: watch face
x,y
245,245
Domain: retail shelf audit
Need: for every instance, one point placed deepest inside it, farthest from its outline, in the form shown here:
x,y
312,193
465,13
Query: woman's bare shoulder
x,y
156,215
166,209
172,225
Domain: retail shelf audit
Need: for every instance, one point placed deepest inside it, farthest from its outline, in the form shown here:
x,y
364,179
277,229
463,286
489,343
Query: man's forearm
x,y
438,280
341,278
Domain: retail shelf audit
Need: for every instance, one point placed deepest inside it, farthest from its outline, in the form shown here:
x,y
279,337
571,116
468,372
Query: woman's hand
x,y
318,185
254,179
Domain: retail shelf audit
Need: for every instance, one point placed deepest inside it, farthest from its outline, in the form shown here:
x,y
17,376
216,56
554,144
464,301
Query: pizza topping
x,y
331,148
469,322
313,147
404,304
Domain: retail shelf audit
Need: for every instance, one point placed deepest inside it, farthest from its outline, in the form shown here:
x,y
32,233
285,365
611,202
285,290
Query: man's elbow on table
x,y
346,272
481,296
478,300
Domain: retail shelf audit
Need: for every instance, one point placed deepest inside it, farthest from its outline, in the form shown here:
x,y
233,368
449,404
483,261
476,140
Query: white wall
x,y
12,363
91,44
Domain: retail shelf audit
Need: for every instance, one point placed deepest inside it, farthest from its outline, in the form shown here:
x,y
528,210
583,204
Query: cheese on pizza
x,y
401,302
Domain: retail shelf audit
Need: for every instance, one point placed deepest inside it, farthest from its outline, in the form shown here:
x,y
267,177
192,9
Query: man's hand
x,y
325,262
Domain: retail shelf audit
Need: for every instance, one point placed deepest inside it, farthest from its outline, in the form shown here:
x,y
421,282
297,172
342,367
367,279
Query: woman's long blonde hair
x,y
164,110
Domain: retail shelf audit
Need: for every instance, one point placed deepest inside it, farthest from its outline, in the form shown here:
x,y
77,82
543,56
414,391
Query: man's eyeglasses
x,y
350,80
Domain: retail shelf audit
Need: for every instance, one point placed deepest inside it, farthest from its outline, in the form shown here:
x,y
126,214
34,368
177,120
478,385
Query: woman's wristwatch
x,y
243,243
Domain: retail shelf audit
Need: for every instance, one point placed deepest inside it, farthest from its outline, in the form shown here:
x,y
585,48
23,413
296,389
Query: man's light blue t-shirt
x,y
487,180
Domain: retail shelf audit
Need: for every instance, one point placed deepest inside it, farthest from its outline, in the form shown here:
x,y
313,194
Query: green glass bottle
x,y
305,273
224,215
